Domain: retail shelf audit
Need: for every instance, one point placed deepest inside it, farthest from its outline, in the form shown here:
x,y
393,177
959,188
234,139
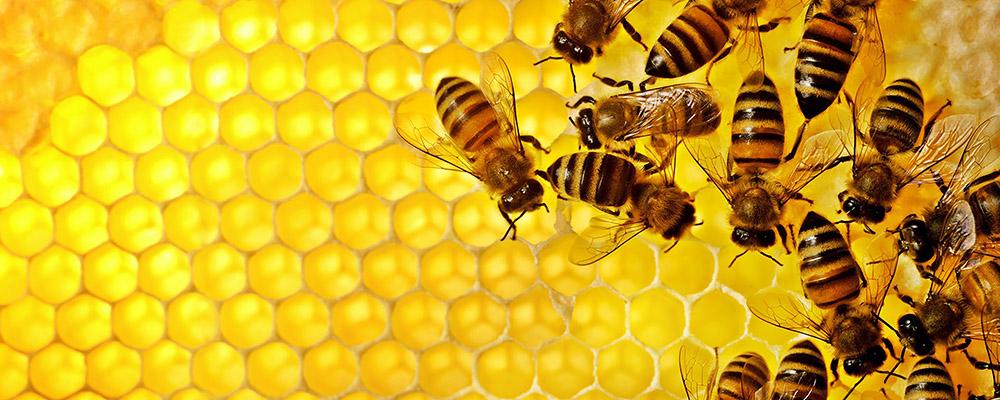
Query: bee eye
x,y
852,366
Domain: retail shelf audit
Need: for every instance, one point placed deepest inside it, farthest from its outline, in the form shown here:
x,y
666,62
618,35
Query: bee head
x,y
753,239
859,210
526,196
865,363
588,134
913,331
572,51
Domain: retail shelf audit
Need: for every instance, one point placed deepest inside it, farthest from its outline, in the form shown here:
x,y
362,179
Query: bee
x,y
758,135
830,274
686,110
979,283
929,380
985,203
740,379
758,201
801,375
483,140
603,180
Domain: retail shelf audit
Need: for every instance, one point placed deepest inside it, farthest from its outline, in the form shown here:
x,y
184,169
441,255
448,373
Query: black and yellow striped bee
x,y
979,283
801,375
757,142
929,379
604,180
830,274
740,379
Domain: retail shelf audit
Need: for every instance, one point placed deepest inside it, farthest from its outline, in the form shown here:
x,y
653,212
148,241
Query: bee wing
x,y
619,9
441,149
765,392
987,329
957,238
948,136
707,153
819,153
787,311
671,110
604,235
697,377
879,272
498,86
782,8
749,50
971,163
870,56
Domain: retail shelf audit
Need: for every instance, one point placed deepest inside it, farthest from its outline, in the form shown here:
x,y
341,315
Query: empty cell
x,y
249,24
218,369
507,269
534,319
565,367
445,369
275,272
219,73
447,270
113,369
303,222
161,174
387,368
77,126
138,321
482,24
334,70
557,272
275,172
390,172
248,222
305,121
420,220
304,24
630,268
277,72
506,370
389,270
135,125
164,271
166,367
273,369
246,122
58,371
418,320
330,368
656,318
476,319
361,221
624,369
162,76
190,27
53,275
333,172
83,322
192,123
423,25
359,318
246,321
364,24
331,271
192,320
477,221
362,121
393,72
106,74
688,267
192,222
27,324
598,317
218,173
135,223
219,271
717,318
303,320
107,175
50,176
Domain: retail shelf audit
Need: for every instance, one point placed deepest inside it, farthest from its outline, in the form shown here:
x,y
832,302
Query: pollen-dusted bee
x,y
603,180
830,274
801,375
929,380
758,135
758,201
483,139
740,379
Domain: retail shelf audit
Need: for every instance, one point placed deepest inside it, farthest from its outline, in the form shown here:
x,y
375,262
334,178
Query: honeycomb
x,y
206,199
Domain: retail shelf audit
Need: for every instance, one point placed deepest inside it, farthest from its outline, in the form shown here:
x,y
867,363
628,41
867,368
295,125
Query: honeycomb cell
x,y
334,70
420,220
445,369
534,19
693,354
113,369
390,172
393,72
192,320
361,221
161,174
717,318
418,320
25,227
246,320
656,318
14,375
50,176
162,76
11,185
520,60
14,273
556,76
331,271
452,59
387,368
750,274
505,370
447,270
219,271
359,318
598,317
53,275
107,175
507,269
556,270
249,24
301,396
27,324
362,121
135,223
533,318
423,25
219,73
135,125
105,74
764,330
246,122
304,24
630,268
303,320
305,121
389,270
166,367
476,319
303,222
273,369
192,123
329,368
58,371
333,172
688,267
193,222
275,172
218,369
138,320
276,72
190,27
218,173
537,115
476,220
77,126
248,222
482,24
565,367
83,322
624,369
363,24
275,272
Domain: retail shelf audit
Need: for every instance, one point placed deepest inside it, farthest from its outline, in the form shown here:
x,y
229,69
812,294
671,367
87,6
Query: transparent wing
x,y
819,153
498,86
698,378
604,235
441,151
665,149
749,50
619,9
870,56
987,329
948,136
674,109
879,272
765,392
957,238
971,164
787,311
782,9
707,153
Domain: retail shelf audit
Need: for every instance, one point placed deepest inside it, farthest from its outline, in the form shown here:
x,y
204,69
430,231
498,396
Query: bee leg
x,y
792,47
833,370
511,226
613,83
633,34
770,25
798,141
573,75
542,205
985,178
725,52
770,257
966,341
736,258
906,299
888,345
939,181
533,141
784,237
581,100
542,174
646,82
672,246
932,121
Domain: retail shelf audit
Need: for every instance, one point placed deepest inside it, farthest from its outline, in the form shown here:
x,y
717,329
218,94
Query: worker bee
x,y
740,379
685,110
830,274
979,283
603,180
483,139
758,135
801,375
758,201
985,203
929,380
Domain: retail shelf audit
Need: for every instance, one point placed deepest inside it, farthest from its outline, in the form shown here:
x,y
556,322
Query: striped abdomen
x,y
985,203
743,376
929,380
465,113
758,138
598,178
897,118
981,288
830,275
691,41
695,112
824,59
801,374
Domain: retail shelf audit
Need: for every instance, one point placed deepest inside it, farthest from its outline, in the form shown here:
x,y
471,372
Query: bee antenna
x,y
736,258
848,395
770,257
549,58
893,370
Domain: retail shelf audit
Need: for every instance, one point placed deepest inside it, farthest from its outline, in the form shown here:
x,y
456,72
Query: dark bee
x,y
758,135
985,203
483,139
740,379
801,375
602,179
929,380
830,275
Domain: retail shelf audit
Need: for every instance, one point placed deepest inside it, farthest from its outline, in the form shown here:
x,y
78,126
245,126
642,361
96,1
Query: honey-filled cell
x,y
452,59
218,369
329,369
276,72
333,172
482,24
50,176
445,369
331,271
598,317
248,222
11,184
630,268
15,376
334,70
361,121
624,369
688,268
477,221
190,27
420,220
541,114
534,20
304,24
135,125
249,24
305,121
166,367
58,371
364,24
219,271
390,174
162,76
534,319
565,367
558,272
246,320
219,73
718,318
107,175
135,223
53,275
275,272
520,61
302,320
77,126
447,270
507,269
505,370
106,74
361,221
476,319
423,25
138,321
113,369
192,320
162,174
83,322
389,270
393,72
246,122
274,369
656,318
387,368
27,324
418,320
192,123
359,318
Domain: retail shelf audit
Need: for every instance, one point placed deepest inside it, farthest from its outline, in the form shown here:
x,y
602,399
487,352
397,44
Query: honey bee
x,y
929,380
830,274
740,379
603,180
801,375
758,135
483,140
758,201
979,283
985,204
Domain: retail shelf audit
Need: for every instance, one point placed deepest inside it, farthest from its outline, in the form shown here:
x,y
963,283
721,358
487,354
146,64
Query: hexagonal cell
x,y
507,269
390,174
331,271
192,123
81,224
275,172
521,59
135,125
598,317
245,394
140,394
418,320
273,369
191,394
423,25
135,223
482,24
219,271
50,176
219,73
445,369
25,227
162,76
166,367
11,184
476,220
363,24
218,369
688,267
107,175
53,275
533,21
534,319
105,74
246,122
192,320
248,25
246,320
303,222
420,220
218,173
27,324
716,229
656,317
335,69
448,270
113,369
14,273
762,301
303,320
539,117
362,121
717,318
556,270
624,369
305,121
190,27
275,272
476,319
248,222
15,367
329,368
58,371
505,370
387,368
164,271
359,318
77,126
276,72
138,320
630,268
304,24
389,270
110,272
361,221
161,174
192,222
565,367
452,59
333,172
393,71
